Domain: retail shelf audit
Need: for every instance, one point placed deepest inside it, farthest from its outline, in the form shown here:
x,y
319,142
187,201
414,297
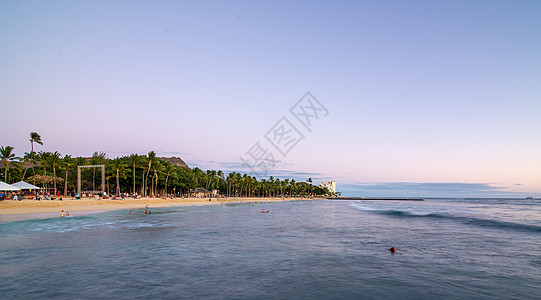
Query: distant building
x,y
329,185
199,193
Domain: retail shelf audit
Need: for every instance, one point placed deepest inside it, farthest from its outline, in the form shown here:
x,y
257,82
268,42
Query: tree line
x,y
145,175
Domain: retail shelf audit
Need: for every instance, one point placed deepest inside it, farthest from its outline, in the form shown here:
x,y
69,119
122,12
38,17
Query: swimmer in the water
x,y
393,249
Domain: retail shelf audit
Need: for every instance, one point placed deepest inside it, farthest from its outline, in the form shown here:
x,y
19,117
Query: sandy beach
x,y
11,210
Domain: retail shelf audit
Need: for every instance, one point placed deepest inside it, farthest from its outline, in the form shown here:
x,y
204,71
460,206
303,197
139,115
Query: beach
x,y
11,210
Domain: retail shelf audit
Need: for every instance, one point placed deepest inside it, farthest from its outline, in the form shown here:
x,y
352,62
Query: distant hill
x,y
177,161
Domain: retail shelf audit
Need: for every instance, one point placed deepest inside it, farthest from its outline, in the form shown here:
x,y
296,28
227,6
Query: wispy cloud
x,y
428,189
235,166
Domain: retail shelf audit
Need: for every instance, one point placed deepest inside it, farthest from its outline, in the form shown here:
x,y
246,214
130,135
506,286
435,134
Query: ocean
x,y
323,249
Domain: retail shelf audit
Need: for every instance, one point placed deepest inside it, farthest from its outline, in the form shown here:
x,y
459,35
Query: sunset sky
x,y
409,98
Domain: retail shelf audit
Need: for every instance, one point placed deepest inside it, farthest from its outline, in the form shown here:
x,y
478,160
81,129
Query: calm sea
x,y
448,249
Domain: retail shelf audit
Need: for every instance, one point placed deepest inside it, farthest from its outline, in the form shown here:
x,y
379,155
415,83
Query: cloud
x,y
427,189
236,166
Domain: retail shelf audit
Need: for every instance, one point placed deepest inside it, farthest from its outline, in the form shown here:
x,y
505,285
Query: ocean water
x,y
327,249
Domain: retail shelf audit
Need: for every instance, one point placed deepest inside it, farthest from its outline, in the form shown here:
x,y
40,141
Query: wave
x,y
487,223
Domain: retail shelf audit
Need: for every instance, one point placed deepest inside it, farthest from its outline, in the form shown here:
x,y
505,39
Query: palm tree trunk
x,y
151,186
117,185
166,178
44,177
133,191
54,177
143,185
24,174
146,180
66,183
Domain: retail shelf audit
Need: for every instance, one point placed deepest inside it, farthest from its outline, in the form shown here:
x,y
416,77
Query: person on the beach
x,y
62,213
131,211
146,206
68,213
146,211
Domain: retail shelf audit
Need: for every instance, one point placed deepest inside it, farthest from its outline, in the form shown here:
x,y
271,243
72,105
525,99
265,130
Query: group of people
x,y
147,210
64,214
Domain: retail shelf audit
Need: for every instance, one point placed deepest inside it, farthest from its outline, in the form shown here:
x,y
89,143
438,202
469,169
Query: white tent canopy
x,y
25,185
6,187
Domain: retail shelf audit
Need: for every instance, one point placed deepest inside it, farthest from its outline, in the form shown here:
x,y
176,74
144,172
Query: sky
x,y
388,98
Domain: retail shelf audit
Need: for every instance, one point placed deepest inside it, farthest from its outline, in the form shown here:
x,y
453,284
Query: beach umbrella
x,y
6,187
25,185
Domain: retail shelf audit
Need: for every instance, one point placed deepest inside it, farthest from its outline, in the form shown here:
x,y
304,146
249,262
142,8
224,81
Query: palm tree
x,y
120,168
209,176
170,171
285,184
6,156
236,181
24,160
158,168
219,176
229,181
134,160
67,163
54,160
292,186
151,159
263,185
34,138
44,160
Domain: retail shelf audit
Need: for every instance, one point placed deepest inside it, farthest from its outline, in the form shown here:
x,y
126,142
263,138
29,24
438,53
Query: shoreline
x,y
12,210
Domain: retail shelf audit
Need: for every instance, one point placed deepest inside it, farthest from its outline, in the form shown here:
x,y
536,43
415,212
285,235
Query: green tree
x,y
292,187
219,177
24,161
170,170
151,158
43,158
54,160
134,160
7,156
67,164
34,138
119,167
157,168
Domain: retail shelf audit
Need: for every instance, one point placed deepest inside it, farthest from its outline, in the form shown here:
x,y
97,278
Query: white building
x,y
330,185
